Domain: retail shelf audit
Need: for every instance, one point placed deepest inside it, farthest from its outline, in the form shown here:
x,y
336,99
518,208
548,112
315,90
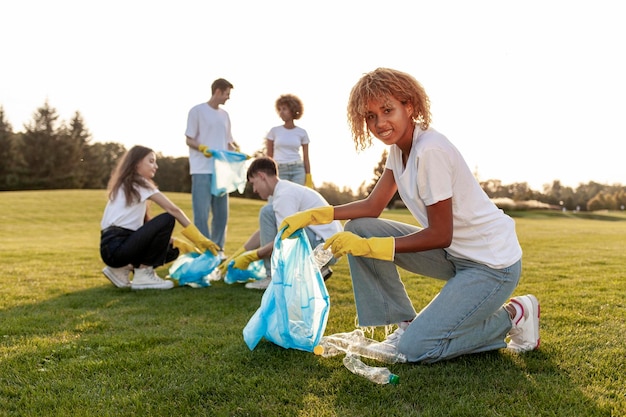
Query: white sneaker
x,y
120,277
261,284
394,338
146,279
524,335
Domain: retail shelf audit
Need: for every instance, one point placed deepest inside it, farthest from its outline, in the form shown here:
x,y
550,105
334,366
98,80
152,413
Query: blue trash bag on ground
x,y
256,270
193,269
294,308
230,172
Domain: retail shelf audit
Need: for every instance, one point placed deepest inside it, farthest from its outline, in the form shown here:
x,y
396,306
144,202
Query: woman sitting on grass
x,y
130,238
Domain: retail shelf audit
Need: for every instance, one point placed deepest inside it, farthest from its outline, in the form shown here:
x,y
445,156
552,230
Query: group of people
x,y
464,239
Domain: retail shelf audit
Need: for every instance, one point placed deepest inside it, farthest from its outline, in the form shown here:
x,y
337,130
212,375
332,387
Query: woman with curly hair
x,y
464,239
283,142
130,239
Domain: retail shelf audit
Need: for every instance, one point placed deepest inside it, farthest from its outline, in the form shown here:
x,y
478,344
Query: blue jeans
x,y
293,171
467,316
269,229
203,203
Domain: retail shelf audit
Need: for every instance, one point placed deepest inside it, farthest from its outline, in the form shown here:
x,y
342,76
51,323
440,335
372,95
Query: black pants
x,y
148,245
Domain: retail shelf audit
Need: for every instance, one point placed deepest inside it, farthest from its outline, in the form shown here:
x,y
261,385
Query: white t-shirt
x,y
116,213
290,198
436,171
287,143
209,127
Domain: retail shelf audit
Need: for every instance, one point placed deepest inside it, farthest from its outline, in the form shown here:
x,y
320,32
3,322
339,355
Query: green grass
x,y
71,344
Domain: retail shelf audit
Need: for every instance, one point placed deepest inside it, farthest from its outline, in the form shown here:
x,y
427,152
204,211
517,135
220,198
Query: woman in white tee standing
x,y
464,239
283,143
130,238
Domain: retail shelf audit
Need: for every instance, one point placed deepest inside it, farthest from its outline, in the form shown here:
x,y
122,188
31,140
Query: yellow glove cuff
x,y
308,181
382,248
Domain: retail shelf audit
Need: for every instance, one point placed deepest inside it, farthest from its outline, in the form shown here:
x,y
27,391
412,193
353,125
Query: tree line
x,y
54,154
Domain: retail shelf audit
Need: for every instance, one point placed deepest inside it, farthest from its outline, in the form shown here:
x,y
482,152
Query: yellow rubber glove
x,y
192,233
245,259
319,215
223,267
205,150
374,247
308,181
183,246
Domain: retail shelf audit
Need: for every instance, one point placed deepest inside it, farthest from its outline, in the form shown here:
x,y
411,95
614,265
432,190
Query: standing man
x,y
208,127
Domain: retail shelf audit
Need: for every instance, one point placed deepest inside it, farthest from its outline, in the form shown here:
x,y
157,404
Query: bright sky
x,y
529,91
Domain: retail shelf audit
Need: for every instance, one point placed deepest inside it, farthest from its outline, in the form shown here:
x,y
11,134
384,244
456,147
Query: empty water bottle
x,y
322,256
372,349
379,375
339,342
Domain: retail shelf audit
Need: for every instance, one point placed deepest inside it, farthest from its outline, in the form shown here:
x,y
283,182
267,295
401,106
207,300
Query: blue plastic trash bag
x,y
294,308
256,270
229,174
193,269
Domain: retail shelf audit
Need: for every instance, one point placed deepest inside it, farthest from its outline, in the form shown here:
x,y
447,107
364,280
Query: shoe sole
x,y
152,287
114,279
536,309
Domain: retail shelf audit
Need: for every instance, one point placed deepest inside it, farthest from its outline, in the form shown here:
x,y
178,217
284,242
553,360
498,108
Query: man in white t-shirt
x,y
287,198
208,128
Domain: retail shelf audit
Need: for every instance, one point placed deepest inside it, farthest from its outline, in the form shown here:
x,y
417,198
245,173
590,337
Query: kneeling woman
x,y
130,239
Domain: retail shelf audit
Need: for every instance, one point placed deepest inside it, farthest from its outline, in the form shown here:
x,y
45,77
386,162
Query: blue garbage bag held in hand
x,y
294,308
230,172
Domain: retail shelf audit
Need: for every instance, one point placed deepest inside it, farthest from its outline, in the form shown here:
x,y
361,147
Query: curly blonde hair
x,y
380,84
293,103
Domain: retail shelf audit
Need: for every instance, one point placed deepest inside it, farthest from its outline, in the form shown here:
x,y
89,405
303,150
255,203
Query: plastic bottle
x,y
379,351
337,343
322,256
356,343
379,375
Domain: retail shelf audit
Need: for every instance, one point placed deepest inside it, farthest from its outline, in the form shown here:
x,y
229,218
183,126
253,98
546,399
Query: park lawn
x,y
71,344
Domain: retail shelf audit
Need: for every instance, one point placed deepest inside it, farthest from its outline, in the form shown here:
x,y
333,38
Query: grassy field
x,y
71,344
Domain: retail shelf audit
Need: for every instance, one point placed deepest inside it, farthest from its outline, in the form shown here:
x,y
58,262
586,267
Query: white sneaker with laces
x,y
147,279
261,284
524,335
120,277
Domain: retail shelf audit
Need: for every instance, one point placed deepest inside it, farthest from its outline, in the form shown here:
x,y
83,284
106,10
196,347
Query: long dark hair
x,y
125,173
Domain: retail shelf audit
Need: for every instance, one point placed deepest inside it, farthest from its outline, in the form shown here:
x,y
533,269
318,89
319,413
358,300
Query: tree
x,y
39,150
77,143
99,160
9,180
173,174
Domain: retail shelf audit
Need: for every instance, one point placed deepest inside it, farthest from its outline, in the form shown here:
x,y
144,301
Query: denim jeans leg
x,y
380,296
201,201
467,316
267,229
219,222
